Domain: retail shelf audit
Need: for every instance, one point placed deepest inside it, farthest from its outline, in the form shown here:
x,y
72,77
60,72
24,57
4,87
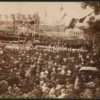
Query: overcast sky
x,y
72,9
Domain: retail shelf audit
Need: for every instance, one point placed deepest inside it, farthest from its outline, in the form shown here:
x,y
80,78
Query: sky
x,y
72,10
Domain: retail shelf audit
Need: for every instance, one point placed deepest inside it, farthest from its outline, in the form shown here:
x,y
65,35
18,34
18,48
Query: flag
x,y
45,14
61,8
81,20
72,23
63,16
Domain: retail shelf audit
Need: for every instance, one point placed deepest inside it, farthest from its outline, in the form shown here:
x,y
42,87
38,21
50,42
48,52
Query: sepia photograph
x,y
50,50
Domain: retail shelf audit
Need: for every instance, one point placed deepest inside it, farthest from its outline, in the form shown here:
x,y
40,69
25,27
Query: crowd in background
x,y
62,42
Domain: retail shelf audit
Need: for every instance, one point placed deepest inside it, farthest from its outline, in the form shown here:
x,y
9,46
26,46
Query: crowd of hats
x,y
55,41
37,73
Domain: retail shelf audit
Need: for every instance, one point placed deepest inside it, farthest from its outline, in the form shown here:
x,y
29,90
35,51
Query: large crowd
x,y
40,73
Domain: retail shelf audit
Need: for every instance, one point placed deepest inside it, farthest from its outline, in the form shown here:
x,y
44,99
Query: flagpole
x,y
90,13
38,23
34,31
60,20
74,20
20,10
82,19
6,14
45,14
19,19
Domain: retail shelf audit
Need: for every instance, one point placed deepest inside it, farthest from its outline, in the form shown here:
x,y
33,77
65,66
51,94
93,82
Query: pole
x,y
34,31
93,42
60,21
18,37
58,41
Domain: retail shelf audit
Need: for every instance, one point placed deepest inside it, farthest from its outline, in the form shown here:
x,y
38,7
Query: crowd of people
x,y
40,73
62,42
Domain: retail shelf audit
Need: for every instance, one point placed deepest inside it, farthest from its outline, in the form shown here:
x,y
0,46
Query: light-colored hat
x,y
9,88
63,67
42,73
58,86
91,61
63,91
16,88
46,71
52,91
32,66
58,69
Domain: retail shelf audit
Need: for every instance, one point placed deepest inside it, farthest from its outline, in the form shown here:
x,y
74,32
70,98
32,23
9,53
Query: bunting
x,y
81,20
72,23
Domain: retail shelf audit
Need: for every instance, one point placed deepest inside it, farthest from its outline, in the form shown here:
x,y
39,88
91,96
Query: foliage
x,y
94,25
93,5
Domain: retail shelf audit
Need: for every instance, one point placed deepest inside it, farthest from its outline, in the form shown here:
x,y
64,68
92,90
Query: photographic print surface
x,y
49,50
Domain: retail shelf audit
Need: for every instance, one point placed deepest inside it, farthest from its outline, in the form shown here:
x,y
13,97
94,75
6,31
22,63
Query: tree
x,y
94,25
93,5
94,29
